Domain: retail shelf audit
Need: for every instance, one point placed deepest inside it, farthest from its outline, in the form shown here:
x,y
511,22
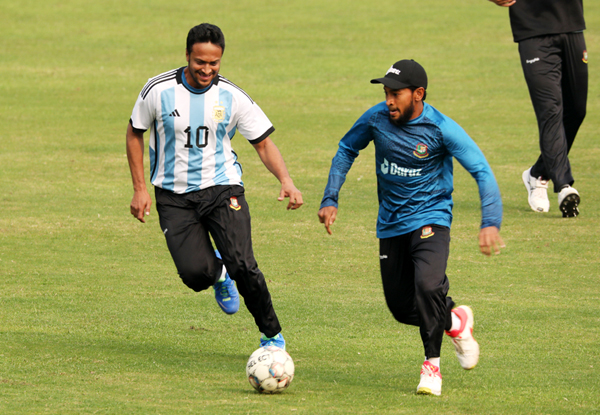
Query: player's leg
x,y
542,66
397,277
430,246
574,84
429,251
574,88
230,226
188,241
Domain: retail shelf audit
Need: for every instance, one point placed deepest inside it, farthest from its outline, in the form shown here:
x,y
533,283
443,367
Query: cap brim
x,y
390,83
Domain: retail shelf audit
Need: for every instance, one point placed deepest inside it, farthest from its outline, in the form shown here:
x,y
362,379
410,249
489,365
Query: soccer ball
x,y
270,369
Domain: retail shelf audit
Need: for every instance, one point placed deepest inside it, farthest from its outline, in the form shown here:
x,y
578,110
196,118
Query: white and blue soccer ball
x,y
270,369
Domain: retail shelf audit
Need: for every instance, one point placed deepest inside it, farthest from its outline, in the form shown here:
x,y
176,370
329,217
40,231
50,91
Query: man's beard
x,y
405,116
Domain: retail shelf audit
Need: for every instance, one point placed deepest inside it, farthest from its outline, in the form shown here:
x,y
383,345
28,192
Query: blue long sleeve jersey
x,y
414,169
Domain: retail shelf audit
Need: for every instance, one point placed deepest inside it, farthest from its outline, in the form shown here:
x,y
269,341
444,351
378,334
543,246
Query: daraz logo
x,y
395,170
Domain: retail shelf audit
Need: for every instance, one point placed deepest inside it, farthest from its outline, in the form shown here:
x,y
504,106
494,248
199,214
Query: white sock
x,y
434,361
222,275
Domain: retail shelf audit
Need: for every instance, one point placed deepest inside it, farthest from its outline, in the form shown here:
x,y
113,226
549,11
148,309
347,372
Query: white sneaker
x,y
537,191
568,200
467,348
431,380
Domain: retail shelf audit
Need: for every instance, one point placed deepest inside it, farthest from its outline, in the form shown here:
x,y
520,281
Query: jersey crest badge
x,y
427,232
233,203
584,56
421,151
218,113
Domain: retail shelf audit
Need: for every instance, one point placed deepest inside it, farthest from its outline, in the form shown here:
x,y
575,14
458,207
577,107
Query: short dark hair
x,y
205,33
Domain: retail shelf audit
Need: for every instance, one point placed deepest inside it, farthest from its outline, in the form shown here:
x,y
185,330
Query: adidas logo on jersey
x,y
174,114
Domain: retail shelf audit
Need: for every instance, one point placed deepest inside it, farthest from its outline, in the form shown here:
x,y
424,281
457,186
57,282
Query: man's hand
x,y
327,216
271,158
504,3
141,202
140,205
490,241
289,190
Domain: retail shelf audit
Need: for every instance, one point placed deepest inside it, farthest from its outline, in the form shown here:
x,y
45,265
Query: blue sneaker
x,y
226,294
277,341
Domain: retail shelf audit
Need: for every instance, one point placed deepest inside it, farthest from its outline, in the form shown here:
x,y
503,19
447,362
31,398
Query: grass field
x,y
93,317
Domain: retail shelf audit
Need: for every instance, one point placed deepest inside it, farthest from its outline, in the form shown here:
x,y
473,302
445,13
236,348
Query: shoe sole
x,y
569,206
226,310
428,391
471,366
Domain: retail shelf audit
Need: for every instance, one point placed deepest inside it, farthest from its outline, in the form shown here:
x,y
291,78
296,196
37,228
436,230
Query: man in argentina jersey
x,y
414,148
193,113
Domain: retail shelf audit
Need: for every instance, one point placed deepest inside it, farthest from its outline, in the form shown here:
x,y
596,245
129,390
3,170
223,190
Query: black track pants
x,y
187,220
556,72
413,272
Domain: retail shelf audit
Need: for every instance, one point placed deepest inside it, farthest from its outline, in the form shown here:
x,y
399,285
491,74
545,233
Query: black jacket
x,y
530,18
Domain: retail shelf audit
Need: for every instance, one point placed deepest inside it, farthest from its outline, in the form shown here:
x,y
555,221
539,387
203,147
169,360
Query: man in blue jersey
x,y
414,147
193,113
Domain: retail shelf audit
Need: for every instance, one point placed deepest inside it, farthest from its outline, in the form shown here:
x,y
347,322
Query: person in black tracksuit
x,y
554,60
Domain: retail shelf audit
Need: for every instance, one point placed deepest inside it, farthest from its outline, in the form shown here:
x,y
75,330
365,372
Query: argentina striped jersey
x,y
191,130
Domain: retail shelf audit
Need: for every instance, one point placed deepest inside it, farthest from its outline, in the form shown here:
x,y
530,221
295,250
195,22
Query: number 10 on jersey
x,y
201,137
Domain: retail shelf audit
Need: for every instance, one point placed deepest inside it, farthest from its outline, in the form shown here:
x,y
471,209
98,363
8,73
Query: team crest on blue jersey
x,y
421,151
218,113
233,203
427,232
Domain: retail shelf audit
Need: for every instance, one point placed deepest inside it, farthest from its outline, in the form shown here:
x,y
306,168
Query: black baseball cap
x,y
403,74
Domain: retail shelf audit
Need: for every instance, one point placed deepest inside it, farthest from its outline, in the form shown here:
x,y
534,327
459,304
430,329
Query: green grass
x,y
93,318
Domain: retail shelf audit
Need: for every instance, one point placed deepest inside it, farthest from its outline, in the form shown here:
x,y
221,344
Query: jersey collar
x,y
181,79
